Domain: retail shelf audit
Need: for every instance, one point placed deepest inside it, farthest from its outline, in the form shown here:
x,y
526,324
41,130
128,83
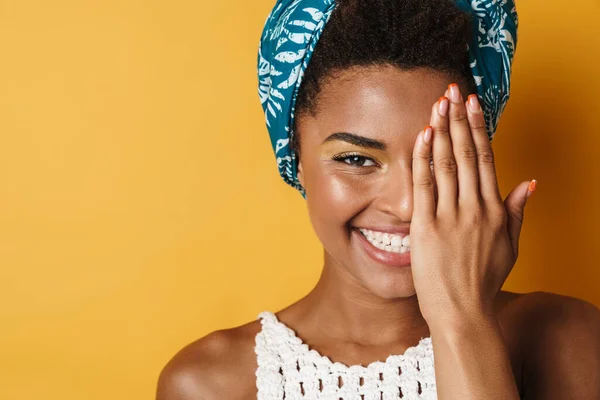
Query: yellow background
x,y
140,205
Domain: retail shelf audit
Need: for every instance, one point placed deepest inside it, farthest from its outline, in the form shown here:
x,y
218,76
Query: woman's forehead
x,y
376,101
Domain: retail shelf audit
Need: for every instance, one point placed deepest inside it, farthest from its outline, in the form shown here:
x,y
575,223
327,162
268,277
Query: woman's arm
x,y
472,360
561,342
563,349
463,247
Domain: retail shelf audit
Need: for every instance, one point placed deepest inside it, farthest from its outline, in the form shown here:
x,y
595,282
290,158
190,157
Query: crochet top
x,y
288,369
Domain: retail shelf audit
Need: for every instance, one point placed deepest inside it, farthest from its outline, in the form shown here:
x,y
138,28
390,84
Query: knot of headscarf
x,y
294,27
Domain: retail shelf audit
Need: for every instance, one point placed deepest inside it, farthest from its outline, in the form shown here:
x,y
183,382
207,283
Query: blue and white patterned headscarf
x,y
291,33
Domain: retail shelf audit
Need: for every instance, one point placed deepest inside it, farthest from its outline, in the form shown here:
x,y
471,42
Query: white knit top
x,y
288,369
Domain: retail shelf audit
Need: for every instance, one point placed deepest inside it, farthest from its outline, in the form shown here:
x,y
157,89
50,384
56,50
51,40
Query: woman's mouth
x,y
393,243
385,248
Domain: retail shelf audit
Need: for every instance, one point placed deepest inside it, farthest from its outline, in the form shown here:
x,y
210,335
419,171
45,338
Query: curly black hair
x,y
407,34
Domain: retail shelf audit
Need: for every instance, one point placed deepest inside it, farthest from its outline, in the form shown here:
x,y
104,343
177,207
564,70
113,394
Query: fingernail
x,y
443,110
427,134
474,103
531,188
454,92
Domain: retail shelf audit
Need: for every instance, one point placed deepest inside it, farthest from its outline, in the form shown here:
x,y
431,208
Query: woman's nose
x,y
395,194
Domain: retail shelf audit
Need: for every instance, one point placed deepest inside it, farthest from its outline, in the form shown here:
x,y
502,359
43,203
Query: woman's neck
x,y
346,311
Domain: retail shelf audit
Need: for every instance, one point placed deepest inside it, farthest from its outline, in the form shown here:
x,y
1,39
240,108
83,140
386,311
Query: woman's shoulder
x,y
537,316
557,338
544,309
219,365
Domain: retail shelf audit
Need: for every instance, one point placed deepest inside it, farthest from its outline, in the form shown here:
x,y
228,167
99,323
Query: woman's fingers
x,y
463,160
464,149
423,184
444,164
488,183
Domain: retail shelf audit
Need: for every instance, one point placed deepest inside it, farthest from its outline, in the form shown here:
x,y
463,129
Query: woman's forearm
x,y
472,361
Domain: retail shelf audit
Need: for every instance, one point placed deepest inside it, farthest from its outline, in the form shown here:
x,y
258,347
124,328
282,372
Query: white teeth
x,y
406,241
387,241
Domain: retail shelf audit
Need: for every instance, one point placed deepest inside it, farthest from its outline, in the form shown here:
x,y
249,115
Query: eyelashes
x,y
355,160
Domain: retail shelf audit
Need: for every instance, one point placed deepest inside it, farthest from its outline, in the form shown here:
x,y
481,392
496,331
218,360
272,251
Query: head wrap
x,y
294,27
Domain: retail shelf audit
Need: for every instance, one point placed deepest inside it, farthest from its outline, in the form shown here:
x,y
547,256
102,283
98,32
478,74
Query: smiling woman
x,y
401,191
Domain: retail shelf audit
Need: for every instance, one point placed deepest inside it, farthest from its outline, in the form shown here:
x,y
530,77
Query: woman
x,y
417,240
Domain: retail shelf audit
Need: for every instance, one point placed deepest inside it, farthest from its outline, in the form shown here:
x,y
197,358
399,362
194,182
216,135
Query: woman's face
x,y
362,178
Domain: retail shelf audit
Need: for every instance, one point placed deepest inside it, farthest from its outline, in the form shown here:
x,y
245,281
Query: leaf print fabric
x,y
491,54
287,43
294,27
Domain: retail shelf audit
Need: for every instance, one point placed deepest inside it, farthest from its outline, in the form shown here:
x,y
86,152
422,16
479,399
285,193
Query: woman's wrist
x,y
462,323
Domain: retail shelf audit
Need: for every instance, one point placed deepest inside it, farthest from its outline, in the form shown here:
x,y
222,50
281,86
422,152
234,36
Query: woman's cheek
x,y
338,196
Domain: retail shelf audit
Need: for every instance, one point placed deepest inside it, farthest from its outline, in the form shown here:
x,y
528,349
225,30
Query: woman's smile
x,y
395,243
392,249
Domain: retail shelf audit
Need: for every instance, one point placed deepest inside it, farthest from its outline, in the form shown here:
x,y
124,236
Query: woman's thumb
x,y
515,209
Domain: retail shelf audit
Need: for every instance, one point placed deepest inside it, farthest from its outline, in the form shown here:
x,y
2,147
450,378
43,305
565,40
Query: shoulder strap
x,y
269,380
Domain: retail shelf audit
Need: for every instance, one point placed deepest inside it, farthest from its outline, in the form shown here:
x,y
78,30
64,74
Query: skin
x,y
488,343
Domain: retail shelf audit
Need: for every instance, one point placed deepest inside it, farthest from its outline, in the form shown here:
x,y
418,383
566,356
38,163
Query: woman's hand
x,y
464,245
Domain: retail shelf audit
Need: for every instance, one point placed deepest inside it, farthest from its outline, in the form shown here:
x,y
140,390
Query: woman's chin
x,y
387,286
392,290
383,280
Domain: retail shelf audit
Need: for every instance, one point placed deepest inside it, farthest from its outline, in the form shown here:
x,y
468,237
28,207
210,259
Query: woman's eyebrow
x,y
356,140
